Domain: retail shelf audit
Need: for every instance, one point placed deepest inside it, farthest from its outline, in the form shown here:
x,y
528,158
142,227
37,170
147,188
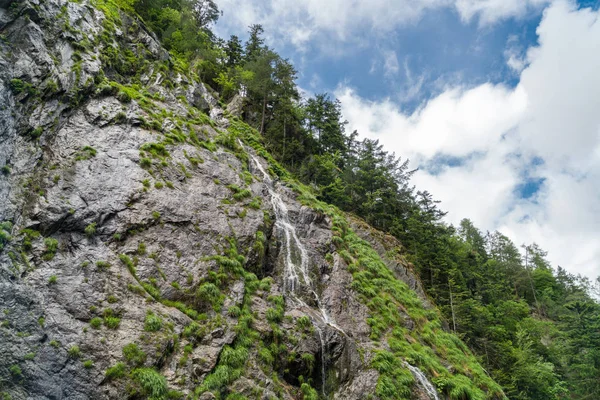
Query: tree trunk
x,y
283,153
264,111
452,307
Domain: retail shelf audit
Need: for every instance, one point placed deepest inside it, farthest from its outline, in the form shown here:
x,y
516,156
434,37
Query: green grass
x,y
112,322
153,385
86,153
128,263
90,230
134,356
51,248
16,371
74,351
117,371
153,323
96,322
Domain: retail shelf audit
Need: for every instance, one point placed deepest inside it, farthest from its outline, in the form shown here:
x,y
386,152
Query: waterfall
x,y
322,359
296,269
423,382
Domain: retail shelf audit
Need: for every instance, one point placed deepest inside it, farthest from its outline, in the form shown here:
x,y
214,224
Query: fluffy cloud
x,y
489,11
336,22
494,134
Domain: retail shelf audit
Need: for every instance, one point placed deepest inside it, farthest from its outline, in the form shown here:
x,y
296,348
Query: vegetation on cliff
x,y
534,327
508,323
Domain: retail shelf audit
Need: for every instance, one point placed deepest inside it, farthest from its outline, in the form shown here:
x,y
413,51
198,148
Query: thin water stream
x,y
297,266
423,382
296,269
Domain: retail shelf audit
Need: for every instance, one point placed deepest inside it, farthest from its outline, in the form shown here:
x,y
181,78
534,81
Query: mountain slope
x,y
151,247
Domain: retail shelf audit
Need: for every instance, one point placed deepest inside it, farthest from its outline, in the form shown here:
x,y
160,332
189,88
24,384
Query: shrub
x,y
128,263
134,355
242,194
16,371
102,264
90,230
112,322
85,153
115,372
210,293
87,364
153,322
304,322
124,97
52,280
153,384
309,360
145,163
234,357
17,85
255,203
234,311
96,323
112,299
51,248
308,393
74,351
266,356
274,315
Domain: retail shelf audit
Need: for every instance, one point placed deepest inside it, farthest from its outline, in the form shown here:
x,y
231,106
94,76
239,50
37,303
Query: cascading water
x,y
296,264
423,382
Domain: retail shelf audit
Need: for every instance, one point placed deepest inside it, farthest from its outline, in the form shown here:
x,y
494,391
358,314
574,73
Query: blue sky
x,y
495,101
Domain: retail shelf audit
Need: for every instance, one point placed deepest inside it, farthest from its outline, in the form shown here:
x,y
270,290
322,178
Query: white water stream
x,y
296,265
423,382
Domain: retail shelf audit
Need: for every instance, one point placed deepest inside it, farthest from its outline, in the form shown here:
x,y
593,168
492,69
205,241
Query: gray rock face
x,y
117,222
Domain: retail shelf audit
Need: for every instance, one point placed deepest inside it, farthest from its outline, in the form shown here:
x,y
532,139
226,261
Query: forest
x,y
534,326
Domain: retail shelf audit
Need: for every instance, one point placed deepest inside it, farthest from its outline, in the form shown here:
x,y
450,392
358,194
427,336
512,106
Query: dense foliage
x,y
536,329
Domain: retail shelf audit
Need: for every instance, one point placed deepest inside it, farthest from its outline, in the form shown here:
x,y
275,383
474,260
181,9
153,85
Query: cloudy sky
x,y
497,102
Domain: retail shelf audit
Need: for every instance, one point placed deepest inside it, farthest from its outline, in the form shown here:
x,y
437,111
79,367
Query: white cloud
x,y
390,65
335,22
552,113
515,58
490,11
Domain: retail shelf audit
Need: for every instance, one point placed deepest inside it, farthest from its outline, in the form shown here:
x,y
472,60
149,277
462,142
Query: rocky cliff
x,y
151,248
